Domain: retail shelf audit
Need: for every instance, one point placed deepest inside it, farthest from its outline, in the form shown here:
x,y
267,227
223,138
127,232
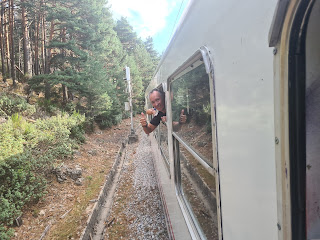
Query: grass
x,y
119,228
67,228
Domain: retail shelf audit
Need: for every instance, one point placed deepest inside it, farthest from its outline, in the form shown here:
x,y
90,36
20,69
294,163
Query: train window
x,y
163,138
198,188
191,97
194,137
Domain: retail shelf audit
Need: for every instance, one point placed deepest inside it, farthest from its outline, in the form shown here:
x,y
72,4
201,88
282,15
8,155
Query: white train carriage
x,y
245,165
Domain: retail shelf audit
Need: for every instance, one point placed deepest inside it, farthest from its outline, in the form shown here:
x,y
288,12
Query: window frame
x,y
195,230
157,133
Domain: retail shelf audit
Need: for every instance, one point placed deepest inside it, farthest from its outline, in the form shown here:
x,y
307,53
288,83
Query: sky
x,y
155,18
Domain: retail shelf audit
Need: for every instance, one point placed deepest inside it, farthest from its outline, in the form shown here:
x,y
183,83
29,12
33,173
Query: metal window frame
x,y
157,133
210,169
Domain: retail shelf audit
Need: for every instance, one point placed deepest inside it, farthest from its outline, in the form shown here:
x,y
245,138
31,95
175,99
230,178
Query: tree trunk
x,y
2,45
64,88
19,62
6,40
27,69
43,44
36,48
47,91
64,94
49,54
11,25
37,40
48,58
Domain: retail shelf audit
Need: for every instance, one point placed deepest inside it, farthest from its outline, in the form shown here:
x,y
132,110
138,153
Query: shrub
x,y
48,106
10,104
5,233
19,185
11,141
27,152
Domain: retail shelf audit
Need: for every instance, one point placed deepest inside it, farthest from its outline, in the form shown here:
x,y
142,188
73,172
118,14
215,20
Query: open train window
x,y
163,139
194,132
161,134
304,124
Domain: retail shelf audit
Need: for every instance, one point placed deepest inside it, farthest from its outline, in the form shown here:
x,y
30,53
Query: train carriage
x,y
245,165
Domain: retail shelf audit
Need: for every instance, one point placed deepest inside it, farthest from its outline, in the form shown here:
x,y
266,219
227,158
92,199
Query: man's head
x,y
156,97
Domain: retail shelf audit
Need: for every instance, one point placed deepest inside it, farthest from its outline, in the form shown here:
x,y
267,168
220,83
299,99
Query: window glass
x,y
198,188
190,95
164,142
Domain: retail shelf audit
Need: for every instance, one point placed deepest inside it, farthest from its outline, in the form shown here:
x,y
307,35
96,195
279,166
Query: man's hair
x,y
157,90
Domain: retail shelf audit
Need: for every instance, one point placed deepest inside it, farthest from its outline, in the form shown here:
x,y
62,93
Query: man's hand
x,y
151,111
143,120
147,128
183,118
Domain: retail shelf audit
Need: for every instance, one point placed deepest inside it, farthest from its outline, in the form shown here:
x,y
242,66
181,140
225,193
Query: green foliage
x,y
5,233
19,185
85,56
48,106
90,51
27,153
11,140
10,104
78,130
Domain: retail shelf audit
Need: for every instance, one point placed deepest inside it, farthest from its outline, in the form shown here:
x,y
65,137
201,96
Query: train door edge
x,y
300,56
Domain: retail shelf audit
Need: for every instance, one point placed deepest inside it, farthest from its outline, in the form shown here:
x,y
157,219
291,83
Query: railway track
x,y
129,205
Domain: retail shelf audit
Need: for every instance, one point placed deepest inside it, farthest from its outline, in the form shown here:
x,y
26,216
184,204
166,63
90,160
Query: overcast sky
x,y
155,18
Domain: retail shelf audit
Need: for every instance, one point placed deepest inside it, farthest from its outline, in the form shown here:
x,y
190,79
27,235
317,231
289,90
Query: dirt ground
x,y
63,212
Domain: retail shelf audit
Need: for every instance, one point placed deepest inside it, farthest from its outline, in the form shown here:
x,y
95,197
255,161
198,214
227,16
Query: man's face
x,y
157,101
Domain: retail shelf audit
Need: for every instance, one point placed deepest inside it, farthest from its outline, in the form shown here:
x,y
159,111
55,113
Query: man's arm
x,y
147,127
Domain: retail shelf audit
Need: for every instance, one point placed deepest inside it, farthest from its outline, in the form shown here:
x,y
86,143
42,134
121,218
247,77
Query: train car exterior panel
x,y
259,113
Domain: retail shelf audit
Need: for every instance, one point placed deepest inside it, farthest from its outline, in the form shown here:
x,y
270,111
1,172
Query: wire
x,y
175,22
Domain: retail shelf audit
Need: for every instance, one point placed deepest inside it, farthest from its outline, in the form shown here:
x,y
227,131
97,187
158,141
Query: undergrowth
x,y
27,152
11,103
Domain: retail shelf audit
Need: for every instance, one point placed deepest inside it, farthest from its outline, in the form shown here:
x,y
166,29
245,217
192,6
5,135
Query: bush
x,y
10,104
27,152
5,233
11,140
19,185
108,119
48,106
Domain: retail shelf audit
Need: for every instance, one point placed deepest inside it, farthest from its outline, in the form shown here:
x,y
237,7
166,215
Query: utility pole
x,y
132,137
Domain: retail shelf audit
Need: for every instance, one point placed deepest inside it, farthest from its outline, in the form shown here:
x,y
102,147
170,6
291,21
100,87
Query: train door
x,y
304,121
300,44
191,89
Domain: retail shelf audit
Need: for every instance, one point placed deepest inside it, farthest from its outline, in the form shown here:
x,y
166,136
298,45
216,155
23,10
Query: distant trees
x,y
74,53
141,57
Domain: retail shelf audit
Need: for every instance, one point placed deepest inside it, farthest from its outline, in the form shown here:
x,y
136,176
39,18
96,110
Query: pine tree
x,y
126,35
148,43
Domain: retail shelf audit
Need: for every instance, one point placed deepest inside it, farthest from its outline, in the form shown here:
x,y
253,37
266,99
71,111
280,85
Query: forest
x,y
62,70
